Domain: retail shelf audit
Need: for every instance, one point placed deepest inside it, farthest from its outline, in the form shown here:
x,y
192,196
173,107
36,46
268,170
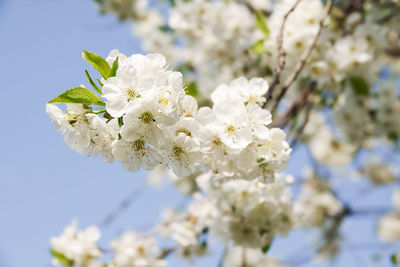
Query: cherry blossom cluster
x,y
254,258
389,225
152,121
316,203
249,213
79,248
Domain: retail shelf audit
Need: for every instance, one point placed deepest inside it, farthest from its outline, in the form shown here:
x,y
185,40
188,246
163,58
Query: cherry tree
x,y
227,92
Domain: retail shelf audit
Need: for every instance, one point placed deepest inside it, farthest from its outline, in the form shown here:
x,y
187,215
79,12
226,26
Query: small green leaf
x,y
266,248
166,28
78,95
113,70
120,122
394,137
359,85
393,259
192,89
101,84
97,62
261,24
259,47
62,258
92,82
99,111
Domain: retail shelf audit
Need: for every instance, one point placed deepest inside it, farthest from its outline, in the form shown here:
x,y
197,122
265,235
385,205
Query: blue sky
x,y
43,184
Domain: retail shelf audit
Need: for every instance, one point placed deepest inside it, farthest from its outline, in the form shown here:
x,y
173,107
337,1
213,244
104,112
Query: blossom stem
x,y
306,54
281,55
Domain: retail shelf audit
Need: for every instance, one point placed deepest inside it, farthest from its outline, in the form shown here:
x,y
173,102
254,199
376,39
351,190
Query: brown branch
x,y
244,258
373,211
296,105
395,12
281,54
306,54
393,51
123,205
300,131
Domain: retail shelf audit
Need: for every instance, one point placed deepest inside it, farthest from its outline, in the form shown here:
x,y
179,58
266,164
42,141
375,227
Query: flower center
x,y
163,101
177,151
132,94
138,145
146,117
230,129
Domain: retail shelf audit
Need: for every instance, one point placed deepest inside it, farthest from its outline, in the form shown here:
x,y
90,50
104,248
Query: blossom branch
x,y
378,211
299,132
281,53
306,54
123,205
297,104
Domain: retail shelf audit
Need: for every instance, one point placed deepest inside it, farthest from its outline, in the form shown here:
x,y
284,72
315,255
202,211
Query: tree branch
x,y
124,204
300,65
281,54
296,105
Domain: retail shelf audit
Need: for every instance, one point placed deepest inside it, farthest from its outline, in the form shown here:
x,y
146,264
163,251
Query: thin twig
x,y
296,105
244,259
300,131
123,205
374,211
281,53
306,54
395,12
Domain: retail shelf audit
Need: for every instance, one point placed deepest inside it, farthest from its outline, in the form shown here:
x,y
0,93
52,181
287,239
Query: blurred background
x,y
44,184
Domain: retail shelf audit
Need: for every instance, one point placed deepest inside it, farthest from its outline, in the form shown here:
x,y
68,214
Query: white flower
x,y
241,89
316,202
84,131
77,246
378,172
132,250
136,154
143,121
137,76
254,258
389,228
102,135
182,153
252,91
389,225
236,132
249,212
258,119
113,55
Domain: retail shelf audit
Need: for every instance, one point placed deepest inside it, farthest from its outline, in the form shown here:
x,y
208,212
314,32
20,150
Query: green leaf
x,y
259,47
120,122
359,85
92,82
393,259
261,24
266,248
101,84
99,111
113,70
62,258
97,62
78,95
394,137
192,89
